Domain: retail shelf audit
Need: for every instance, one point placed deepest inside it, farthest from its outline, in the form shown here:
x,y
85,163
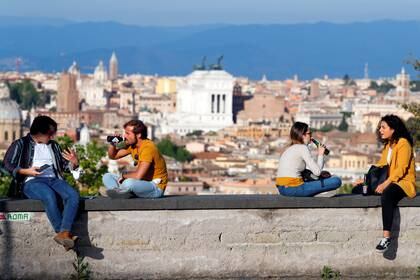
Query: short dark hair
x,y
138,128
43,125
297,131
399,127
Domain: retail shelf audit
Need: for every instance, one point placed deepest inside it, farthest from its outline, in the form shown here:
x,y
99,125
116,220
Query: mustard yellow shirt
x,y
402,167
148,152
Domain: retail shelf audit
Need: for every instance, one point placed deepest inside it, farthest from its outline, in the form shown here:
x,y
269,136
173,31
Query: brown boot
x,y
74,238
64,238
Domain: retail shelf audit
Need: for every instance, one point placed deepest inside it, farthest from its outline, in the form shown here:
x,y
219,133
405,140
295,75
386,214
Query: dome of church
x,y
9,109
100,74
74,68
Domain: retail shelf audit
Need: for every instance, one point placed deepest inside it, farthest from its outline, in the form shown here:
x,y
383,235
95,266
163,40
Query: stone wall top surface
x,y
211,202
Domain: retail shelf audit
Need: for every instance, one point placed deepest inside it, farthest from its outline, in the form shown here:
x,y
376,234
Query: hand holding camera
x,y
117,141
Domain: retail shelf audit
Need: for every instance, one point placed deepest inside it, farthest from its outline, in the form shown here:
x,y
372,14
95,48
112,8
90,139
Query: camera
x,y
114,139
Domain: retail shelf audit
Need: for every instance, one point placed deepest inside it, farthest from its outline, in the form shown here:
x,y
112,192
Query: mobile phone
x,y
42,168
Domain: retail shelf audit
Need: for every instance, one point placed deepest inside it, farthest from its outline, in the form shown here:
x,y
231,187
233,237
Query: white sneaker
x,y
102,191
118,193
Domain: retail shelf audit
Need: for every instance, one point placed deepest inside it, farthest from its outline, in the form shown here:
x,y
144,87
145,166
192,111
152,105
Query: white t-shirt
x,y
295,159
42,155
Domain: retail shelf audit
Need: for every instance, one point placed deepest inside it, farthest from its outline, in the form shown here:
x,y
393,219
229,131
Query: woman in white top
x,y
297,158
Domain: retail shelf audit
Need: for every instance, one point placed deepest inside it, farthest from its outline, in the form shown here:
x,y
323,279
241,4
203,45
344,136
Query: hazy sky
x,y
185,12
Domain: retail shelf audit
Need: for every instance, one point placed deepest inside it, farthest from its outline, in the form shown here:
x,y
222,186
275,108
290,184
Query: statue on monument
x,y
201,66
218,65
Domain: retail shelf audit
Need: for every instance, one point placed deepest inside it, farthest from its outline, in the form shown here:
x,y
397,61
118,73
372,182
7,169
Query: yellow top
x,y
148,152
401,169
289,181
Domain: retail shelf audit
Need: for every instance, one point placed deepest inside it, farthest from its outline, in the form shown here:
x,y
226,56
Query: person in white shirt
x,y
37,164
296,159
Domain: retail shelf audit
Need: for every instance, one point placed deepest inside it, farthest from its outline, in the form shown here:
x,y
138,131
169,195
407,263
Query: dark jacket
x,y
21,154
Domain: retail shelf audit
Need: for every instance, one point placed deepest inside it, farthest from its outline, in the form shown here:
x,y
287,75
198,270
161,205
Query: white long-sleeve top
x,y
295,159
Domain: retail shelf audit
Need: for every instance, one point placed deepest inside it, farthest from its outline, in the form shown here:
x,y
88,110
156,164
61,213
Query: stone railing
x,y
213,237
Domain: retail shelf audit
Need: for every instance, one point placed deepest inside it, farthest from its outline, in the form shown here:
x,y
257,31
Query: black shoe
x,y
383,245
117,193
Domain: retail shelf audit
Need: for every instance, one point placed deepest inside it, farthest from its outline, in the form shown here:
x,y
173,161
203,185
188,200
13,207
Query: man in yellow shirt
x,y
150,178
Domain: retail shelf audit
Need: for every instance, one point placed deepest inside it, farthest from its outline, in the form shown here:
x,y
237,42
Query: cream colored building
x,y
165,86
350,166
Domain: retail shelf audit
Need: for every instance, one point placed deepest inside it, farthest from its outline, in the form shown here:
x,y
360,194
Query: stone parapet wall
x,y
215,243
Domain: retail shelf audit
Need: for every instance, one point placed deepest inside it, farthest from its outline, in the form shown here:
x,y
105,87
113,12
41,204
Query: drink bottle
x,y
317,143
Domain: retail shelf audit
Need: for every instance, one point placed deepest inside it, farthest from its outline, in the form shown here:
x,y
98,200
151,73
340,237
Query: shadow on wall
x,y
391,254
84,246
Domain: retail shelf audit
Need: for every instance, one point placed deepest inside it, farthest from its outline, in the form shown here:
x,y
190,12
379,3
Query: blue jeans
x,y
311,188
46,190
140,188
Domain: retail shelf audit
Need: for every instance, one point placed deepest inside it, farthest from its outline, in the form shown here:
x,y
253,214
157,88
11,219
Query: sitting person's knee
x,y
128,183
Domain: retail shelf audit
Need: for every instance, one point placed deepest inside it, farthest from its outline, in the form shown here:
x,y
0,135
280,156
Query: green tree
x,y
346,79
343,126
5,181
373,85
196,133
415,86
413,123
90,161
25,94
385,87
167,148
327,128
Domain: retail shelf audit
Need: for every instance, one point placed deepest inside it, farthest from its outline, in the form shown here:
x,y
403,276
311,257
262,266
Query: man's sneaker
x,y
383,245
102,191
118,193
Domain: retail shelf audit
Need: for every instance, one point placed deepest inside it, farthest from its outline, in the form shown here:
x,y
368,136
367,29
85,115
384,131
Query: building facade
x,y
204,102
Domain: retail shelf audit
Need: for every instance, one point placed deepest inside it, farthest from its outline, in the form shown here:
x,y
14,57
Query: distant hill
x,y
279,51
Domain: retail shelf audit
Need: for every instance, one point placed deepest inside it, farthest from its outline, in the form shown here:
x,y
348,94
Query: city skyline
x,y
187,12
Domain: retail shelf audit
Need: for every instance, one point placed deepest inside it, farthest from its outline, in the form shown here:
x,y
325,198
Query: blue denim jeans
x,y
46,190
140,188
311,188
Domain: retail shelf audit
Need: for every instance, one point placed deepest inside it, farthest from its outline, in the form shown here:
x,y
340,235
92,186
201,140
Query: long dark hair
x,y
400,130
297,131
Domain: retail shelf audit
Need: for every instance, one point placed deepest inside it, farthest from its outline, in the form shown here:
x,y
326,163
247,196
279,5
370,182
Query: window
x,y
6,136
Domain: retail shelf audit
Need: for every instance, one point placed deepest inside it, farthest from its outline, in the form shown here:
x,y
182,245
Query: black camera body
x,y
112,139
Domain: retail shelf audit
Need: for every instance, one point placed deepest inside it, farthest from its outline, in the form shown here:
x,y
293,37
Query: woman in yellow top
x,y
401,181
